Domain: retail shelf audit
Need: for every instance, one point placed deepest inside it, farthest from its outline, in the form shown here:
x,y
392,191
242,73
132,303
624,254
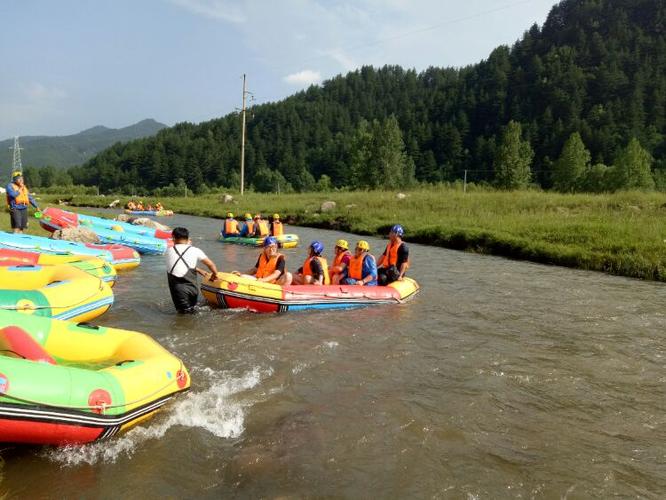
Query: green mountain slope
x,y
596,67
69,150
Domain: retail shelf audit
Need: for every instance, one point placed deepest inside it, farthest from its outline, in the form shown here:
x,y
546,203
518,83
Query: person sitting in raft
x,y
338,269
18,201
150,208
271,266
130,205
362,268
315,267
394,262
230,227
181,262
247,229
260,227
276,226
139,206
159,207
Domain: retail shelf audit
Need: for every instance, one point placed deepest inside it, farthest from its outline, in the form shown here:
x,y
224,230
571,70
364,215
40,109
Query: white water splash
x,y
212,409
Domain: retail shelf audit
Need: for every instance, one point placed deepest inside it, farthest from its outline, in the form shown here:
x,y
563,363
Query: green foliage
x,y
570,168
513,159
632,168
595,67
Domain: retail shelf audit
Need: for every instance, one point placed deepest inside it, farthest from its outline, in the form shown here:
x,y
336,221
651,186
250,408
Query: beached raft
x,y
58,291
154,213
92,265
62,383
122,258
284,241
231,291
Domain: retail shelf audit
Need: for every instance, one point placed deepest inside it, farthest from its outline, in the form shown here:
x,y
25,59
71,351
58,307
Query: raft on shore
x,y
154,213
62,383
231,291
284,240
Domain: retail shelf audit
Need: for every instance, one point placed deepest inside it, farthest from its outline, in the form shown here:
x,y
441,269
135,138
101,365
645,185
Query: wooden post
x,y
242,165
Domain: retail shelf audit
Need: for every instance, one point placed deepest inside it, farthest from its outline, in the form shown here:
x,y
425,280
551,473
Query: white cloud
x,y
303,78
35,91
214,9
346,62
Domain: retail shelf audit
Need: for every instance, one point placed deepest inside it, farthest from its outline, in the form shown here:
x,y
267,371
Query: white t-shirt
x,y
193,256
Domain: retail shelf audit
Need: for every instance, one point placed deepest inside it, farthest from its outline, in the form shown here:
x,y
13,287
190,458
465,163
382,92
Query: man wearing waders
x,y
181,261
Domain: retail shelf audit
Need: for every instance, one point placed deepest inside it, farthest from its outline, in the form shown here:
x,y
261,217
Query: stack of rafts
x,y
143,239
63,382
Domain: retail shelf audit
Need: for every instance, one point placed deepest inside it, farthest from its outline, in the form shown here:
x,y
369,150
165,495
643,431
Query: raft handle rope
x,y
102,406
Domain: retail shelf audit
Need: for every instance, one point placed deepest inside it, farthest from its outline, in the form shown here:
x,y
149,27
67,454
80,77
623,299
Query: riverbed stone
x,y
145,221
79,234
327,206
401,196
227,198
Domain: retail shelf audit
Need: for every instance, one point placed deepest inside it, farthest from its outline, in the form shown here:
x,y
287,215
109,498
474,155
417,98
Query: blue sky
x,y
69,65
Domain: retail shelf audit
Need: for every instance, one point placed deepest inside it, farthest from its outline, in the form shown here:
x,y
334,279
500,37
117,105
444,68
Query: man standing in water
x,y
181,261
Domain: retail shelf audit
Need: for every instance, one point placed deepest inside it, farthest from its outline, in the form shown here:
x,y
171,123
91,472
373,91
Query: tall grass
x,y
621,233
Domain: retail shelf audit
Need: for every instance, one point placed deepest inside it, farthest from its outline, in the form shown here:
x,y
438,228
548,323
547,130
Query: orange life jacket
x,y
336,267
390,256
230,226
267,265
250,227
22,198
277,228
356,266
263,227
307,271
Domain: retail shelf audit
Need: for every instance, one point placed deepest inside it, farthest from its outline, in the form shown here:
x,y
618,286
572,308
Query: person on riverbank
x,y
315,267
261,229
338,269
271,266
362,268
182,260
394,262
247,229
230,226
18,201
276,226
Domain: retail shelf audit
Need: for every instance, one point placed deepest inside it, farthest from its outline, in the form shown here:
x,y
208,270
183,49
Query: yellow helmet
x,y
230,215
363,245
276,216
258,216
248,216
16,173
342,244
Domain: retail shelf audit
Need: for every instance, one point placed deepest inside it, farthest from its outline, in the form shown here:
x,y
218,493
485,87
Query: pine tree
x,y
513,159
632,168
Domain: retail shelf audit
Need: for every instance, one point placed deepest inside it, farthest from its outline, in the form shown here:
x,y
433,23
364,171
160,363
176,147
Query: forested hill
x,y
69,150
596,68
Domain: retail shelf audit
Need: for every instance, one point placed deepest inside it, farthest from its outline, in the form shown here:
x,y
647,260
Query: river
x,y
501,379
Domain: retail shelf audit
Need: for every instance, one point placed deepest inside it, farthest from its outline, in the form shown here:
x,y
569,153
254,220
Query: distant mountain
x,y
69,150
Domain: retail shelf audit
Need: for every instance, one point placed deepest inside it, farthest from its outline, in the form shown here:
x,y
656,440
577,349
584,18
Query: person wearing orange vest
x,y
276,226
18,201
338,269
394,262
362,268
247,229
261,229
230,227
315,267
271,266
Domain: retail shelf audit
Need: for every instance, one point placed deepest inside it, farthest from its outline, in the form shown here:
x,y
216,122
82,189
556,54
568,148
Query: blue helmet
x,y
398,230
317,247
270,240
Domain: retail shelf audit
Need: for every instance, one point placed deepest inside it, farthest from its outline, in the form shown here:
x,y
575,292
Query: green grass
x,y
620,233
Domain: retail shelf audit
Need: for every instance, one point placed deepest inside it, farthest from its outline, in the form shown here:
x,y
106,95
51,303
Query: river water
x,y
501,379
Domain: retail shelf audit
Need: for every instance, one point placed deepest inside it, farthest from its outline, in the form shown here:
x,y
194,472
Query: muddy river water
x,y
501,379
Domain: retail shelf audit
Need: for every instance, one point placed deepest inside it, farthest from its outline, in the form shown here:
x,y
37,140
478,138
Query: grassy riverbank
x,y
622,233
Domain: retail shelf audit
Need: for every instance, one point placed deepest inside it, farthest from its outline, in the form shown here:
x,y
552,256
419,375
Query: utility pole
x,y
242,165
16,163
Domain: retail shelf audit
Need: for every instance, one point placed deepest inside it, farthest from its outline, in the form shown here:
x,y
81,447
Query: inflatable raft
x,y
231,291
284,241
120,257
92,265
60,291
53,218
117,235
62,383
154,213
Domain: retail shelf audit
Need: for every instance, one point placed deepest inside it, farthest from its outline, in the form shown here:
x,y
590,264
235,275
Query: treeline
x,y
578,104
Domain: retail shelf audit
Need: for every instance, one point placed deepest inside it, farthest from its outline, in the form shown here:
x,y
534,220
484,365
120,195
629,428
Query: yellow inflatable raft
x,y
60,291
62,383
